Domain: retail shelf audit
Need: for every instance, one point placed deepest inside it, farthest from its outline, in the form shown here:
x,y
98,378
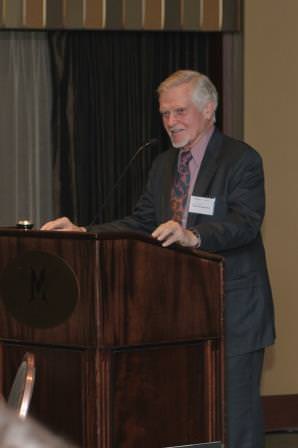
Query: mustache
x,y
175,128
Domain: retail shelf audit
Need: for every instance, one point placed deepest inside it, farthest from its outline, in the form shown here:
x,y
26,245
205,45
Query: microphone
x,y
147,145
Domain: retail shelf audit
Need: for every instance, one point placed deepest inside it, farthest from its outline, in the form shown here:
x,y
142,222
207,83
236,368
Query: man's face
x,y
181,118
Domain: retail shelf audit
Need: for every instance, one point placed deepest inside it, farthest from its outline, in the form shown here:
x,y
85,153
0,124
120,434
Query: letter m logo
x,y
38,289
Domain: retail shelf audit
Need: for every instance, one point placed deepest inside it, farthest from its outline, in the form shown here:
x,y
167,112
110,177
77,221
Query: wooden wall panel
x,y
73,13
172,15
54,14
280,412
1,13
114,14
211,15
133,14
190,12
231,15
94,13
187,15
154,14
13,13
34,13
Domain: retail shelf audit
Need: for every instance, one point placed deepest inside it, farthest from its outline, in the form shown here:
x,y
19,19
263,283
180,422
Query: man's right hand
x,y
63,225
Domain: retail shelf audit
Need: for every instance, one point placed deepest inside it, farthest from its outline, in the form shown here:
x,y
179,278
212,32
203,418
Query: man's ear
x,y
208,110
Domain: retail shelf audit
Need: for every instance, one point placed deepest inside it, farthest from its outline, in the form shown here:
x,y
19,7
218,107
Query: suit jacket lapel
x,y
209,165
168,181
207,170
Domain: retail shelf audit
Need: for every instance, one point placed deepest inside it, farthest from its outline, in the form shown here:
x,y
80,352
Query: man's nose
x,y
171,119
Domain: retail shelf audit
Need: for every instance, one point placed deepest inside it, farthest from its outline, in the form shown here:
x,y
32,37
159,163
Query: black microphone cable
x,y
147,145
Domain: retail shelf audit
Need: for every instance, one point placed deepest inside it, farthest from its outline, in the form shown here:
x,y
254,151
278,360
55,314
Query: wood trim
x,y
280,412
94,14
187,15
133,15
13,13
233,115
231,15
114,15
172,15
73,13
211,15
54,14
190,15
154,15
34,13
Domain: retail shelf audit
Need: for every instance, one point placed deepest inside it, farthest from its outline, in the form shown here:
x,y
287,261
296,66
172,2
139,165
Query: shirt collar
x,y
199,149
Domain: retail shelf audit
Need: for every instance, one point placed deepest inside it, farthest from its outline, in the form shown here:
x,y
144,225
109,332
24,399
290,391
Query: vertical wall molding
x,y
233,83
34,14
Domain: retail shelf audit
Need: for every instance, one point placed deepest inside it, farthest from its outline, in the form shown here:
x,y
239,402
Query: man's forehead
x,y
175,97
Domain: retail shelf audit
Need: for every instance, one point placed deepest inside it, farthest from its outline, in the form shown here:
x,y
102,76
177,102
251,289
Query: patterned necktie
x,y
180,188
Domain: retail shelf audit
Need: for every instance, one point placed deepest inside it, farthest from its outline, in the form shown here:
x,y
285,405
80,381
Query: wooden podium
x,y
127,336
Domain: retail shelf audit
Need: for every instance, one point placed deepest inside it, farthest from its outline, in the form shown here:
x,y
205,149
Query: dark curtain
x,y
105,107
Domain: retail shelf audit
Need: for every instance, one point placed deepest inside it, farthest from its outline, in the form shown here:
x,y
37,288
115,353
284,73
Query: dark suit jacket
x,y
232,173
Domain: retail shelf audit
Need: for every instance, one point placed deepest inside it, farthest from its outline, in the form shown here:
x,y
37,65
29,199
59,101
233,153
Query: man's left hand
x,y
172,232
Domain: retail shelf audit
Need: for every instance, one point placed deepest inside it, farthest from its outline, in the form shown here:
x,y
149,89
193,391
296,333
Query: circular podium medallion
x,y
39,289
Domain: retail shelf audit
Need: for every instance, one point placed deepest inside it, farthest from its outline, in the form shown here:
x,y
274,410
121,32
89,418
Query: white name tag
x,y
201,205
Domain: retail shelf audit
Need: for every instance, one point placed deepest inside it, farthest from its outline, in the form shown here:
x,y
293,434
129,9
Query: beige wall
x,y
271,125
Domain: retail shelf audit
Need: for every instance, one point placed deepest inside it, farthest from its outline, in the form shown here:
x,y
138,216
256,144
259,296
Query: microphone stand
x,y
146,145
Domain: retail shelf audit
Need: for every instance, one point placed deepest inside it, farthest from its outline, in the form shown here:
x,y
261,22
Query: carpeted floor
x,y
280,440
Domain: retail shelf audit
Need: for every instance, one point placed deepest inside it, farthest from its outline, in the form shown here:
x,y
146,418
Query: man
x,y
208,192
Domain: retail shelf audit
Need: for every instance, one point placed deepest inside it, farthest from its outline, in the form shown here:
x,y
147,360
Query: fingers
x,y
61,224
56,224
168,233
172,232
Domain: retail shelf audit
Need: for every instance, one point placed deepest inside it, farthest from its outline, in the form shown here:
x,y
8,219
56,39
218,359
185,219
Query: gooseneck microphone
x,y
147,145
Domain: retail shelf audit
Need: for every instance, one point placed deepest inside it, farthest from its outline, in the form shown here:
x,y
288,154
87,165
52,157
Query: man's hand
x,y
172,232
62,224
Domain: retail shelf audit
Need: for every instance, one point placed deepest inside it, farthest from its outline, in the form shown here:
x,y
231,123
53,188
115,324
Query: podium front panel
x,y
137,359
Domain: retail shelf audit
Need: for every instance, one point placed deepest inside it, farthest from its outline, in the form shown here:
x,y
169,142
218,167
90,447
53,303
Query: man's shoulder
x,y
236,149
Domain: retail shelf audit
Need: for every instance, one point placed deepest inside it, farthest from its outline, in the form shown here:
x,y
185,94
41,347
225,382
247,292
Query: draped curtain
x,y
105,107
25,142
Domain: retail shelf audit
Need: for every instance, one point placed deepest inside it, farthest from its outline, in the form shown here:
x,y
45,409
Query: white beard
x,y
181,143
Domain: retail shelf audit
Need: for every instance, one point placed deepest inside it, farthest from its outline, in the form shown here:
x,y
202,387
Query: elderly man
x,y
207,191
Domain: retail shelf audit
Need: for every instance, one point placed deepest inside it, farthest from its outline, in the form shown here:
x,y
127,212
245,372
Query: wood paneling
x,y
84,311
205,15
211,15
163,385
231,15
154,14
134,345
94,13
232,97
114,15
191,14
1,13
133,14
13,13
54,14
280,412
58,374
172,15
34,13
73,13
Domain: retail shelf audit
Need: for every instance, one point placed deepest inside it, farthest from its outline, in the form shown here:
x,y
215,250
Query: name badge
x,y
201,205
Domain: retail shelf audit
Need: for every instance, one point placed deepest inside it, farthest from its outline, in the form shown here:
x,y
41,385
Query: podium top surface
x,y
105,235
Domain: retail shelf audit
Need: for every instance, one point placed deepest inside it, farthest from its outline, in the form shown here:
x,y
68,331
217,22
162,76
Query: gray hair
x,y
204,90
